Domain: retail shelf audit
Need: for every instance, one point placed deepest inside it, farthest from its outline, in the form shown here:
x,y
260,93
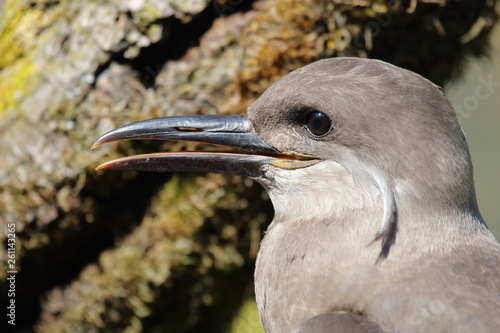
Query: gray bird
x,y
376,225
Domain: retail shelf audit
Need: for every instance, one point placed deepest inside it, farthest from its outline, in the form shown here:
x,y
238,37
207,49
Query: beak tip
x,y
97,144
101,167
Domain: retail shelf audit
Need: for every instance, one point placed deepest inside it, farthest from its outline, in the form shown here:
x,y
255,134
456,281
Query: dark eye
x,y
318,123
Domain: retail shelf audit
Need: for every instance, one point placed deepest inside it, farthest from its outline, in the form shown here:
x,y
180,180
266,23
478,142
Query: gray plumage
x,y
376,225
442,272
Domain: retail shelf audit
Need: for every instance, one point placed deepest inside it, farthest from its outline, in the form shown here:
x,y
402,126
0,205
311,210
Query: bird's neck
x,y
323,235
327,196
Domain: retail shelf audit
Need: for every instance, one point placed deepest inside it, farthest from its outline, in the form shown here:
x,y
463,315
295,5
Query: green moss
x,y
15,66
10,43
247,320
15,81
130,276
18,72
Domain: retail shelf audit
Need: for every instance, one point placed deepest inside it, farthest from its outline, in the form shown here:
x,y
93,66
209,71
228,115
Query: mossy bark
x,y
135,251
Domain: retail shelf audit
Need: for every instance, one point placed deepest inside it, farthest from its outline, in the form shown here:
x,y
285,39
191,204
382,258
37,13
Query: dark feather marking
x,y
340,322
389,237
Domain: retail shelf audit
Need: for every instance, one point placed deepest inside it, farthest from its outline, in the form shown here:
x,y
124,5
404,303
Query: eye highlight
x,y
318,124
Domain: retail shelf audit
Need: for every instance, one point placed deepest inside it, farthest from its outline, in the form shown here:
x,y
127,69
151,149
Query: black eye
x,y
318,123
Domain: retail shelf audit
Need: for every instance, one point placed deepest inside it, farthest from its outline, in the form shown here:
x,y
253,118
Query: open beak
x,y
248,157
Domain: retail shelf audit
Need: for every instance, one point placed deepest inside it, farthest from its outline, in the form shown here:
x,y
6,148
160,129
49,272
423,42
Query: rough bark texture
x,y
126,251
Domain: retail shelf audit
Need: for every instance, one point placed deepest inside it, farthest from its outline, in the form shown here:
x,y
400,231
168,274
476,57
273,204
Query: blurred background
x,y
143,252
480,119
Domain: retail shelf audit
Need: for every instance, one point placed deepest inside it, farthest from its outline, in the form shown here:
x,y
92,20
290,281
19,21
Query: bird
x,y
376,225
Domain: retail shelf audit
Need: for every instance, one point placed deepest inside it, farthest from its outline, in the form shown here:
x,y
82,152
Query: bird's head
x,y
357,128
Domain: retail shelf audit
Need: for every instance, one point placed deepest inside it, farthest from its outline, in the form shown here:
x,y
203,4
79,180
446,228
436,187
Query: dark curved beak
x,y
250,153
